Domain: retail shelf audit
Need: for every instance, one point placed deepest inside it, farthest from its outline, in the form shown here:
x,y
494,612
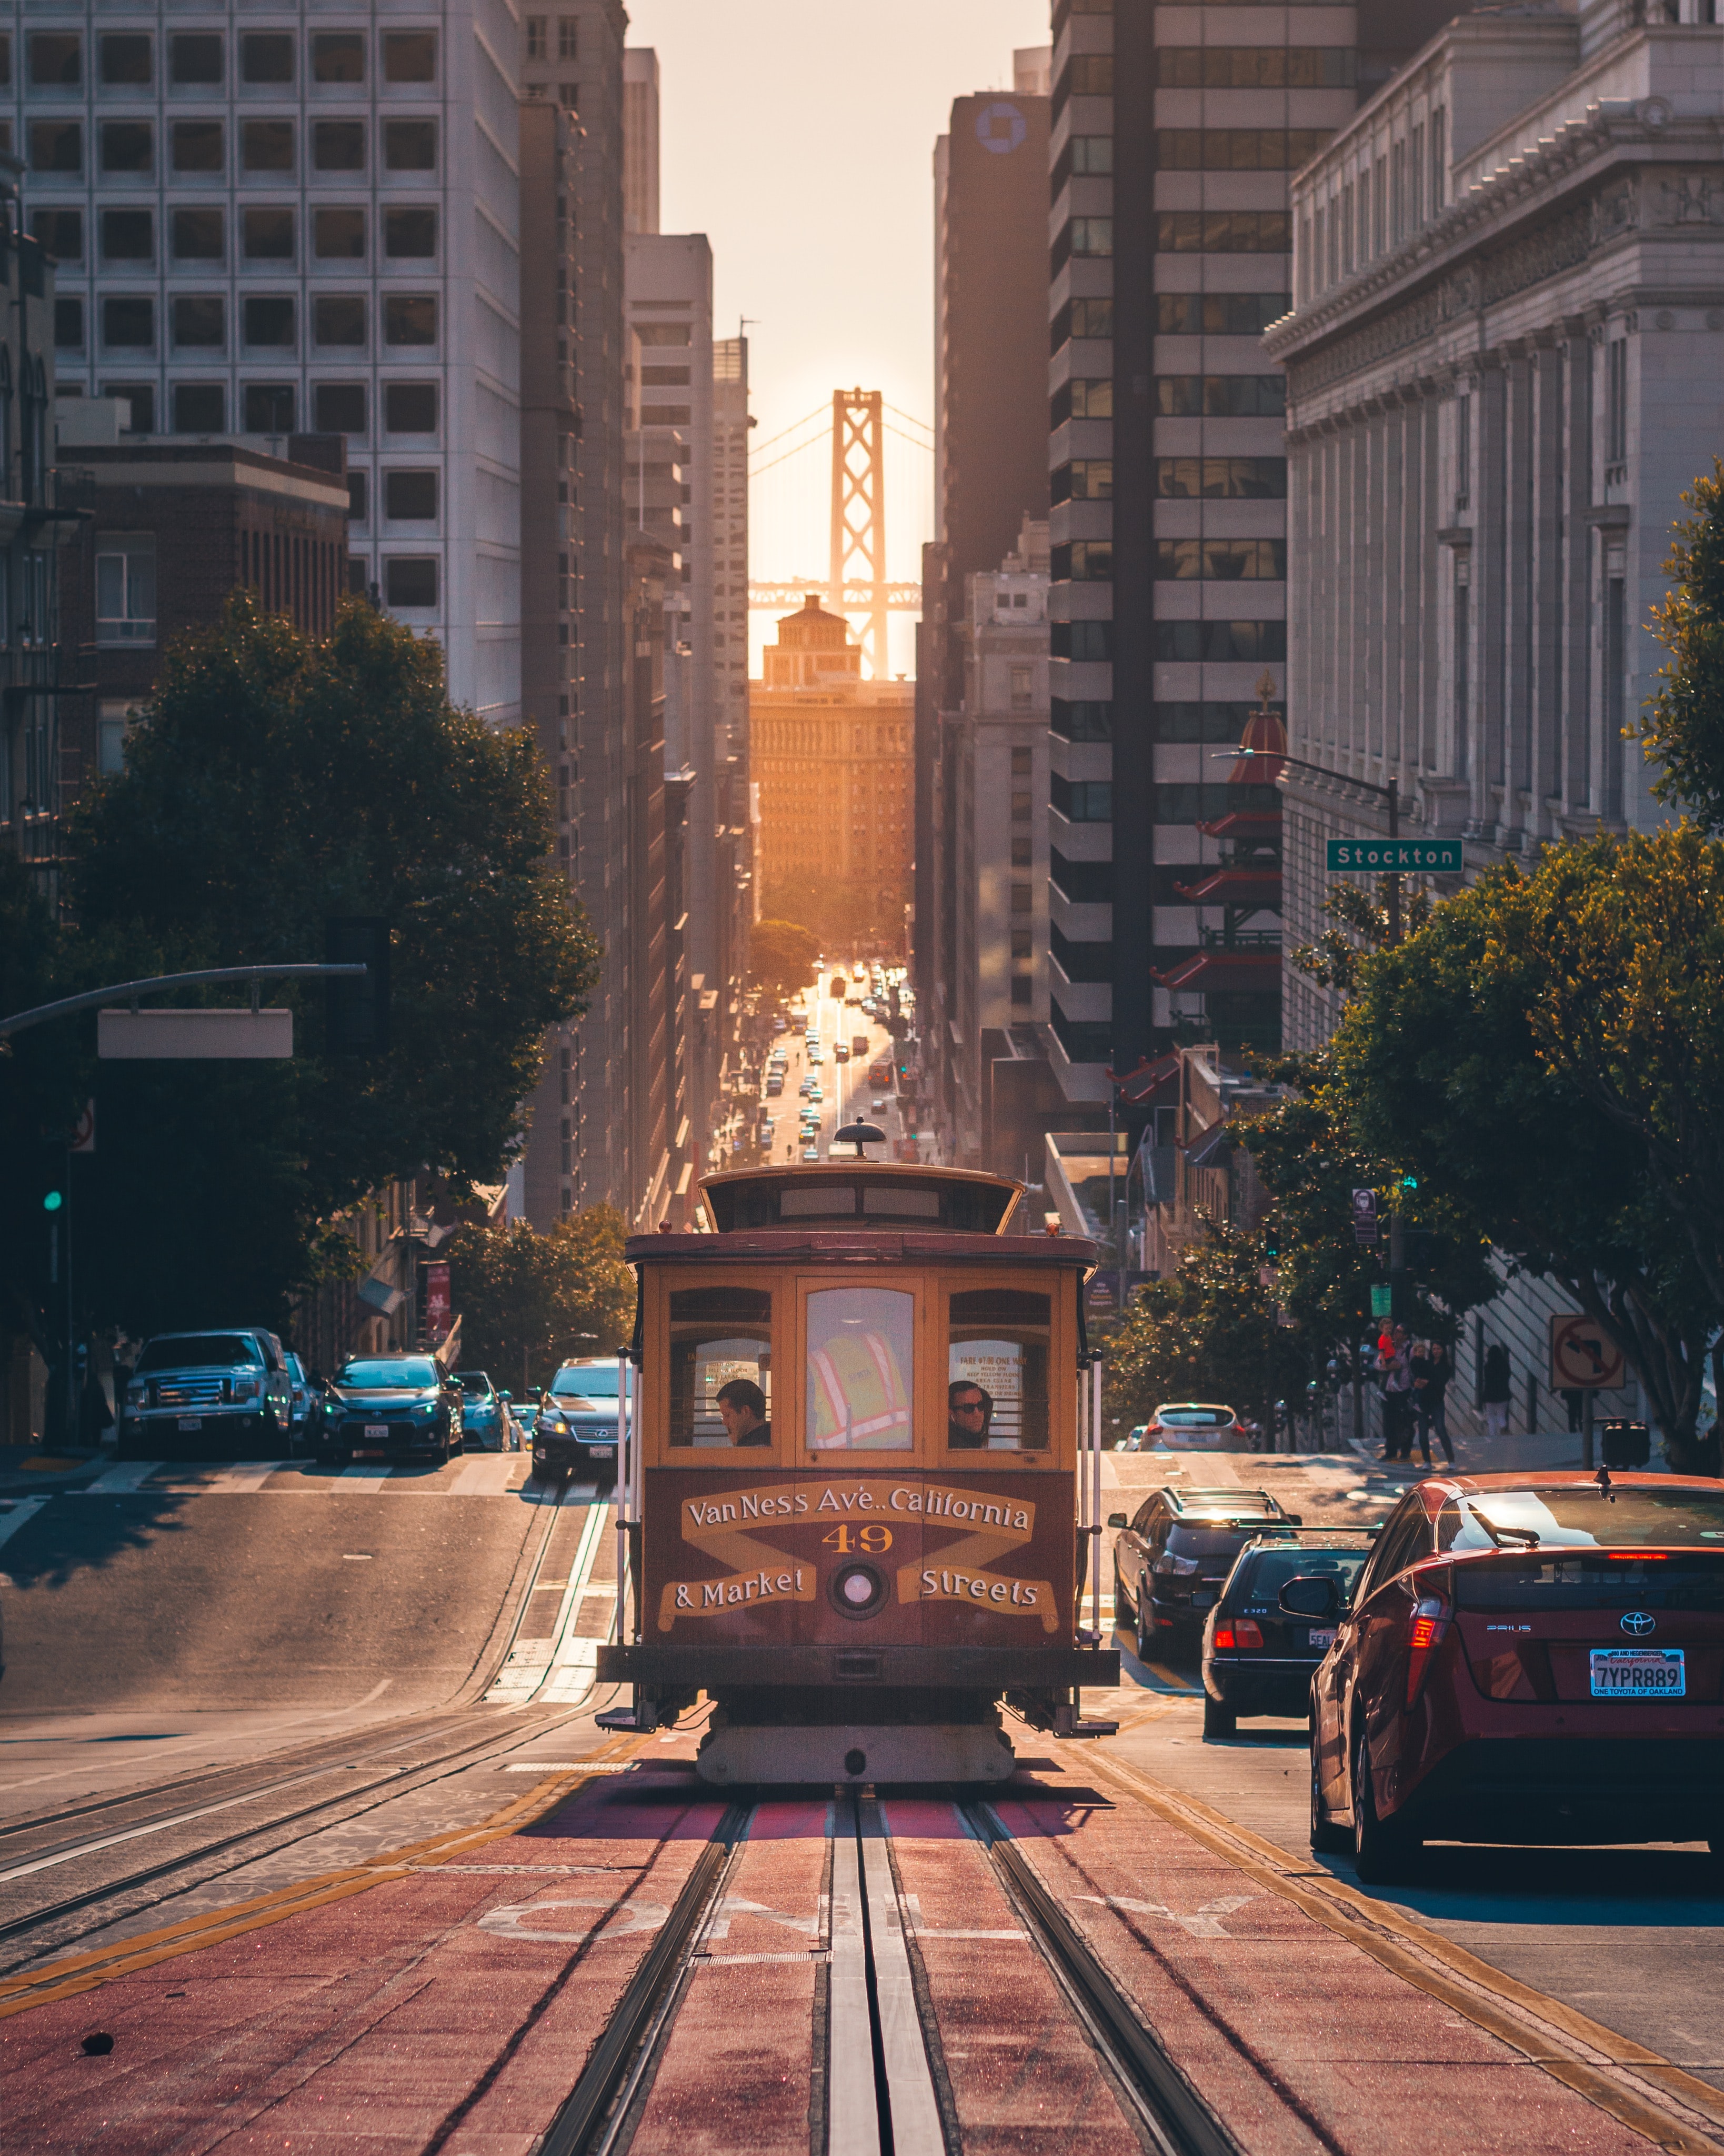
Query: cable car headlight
x,y
857,1590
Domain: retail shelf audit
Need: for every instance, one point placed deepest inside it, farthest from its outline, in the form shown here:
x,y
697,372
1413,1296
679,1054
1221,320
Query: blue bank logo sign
x,y
1000,127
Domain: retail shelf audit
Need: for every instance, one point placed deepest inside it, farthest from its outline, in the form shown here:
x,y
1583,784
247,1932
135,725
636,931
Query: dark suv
x,y
1257,1659
1172,1555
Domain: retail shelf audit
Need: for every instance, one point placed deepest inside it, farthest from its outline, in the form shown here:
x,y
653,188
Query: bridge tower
x,y
859,517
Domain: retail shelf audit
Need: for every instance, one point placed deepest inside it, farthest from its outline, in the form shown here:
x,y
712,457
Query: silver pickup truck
x,y
216,1395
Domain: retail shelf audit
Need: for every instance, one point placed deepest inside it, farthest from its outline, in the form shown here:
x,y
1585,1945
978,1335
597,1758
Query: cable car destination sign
x,y
1394,856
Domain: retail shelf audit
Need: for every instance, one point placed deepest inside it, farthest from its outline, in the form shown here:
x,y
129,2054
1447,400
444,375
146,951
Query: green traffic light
x,y
1409,1182
52,1202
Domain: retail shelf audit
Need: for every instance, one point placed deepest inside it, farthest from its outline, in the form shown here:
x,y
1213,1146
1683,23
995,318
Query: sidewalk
x,y
24,1473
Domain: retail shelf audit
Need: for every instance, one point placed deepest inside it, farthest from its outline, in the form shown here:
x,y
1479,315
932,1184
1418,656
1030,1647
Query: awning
x,y
1225,969
1250,886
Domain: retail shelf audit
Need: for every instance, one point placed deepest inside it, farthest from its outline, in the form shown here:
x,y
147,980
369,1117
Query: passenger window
x,y
861,1369
996,1370
721,1366
1402,1543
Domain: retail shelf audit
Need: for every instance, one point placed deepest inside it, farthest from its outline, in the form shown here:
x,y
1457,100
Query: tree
x,y
278,782
781,957
1445,1058
1682,728
1208,1333
528,1301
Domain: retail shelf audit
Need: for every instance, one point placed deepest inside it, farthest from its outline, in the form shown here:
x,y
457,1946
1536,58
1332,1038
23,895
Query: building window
x,y
266,146
535,37
337,56
410,408
1237,149
1463,658
338,146
1462,451
128,58
1087,74
1082,720
1022,898
1082,640
568,95
410,497
338,407
1022,680
568,31
128,324
410,145
113,723
198,321
197,146
56,145
1255,66
1223,232
265,56
1221,396
338,319
200,408
409,318
1217,642
1083,560
269,407
1076,399
198,235
358,496
56,59
1082,800
1084,236
1021,987
1221,479
139,399
125,591
69,325
409,234
60,231
410,580
128,235
338,235
194,59
268,322
1616,409
1224,561
1220,314
409,55
268,235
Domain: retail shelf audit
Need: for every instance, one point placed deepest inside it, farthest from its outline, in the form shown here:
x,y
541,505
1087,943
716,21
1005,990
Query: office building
x,y
991,817
640,139
832,760
990,394
288,225
1170,258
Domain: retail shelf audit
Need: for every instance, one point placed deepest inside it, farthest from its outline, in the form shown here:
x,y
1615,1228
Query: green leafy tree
x,y
528,1301
1444,1059
278,782
1210,1333
781,957
1682,727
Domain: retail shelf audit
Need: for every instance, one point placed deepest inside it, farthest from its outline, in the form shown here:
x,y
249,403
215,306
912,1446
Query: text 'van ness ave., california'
x,y
975,1508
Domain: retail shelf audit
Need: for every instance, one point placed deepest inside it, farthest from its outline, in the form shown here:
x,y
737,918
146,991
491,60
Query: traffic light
x,y
1409,1182
357,1009
52,1200
1271,1244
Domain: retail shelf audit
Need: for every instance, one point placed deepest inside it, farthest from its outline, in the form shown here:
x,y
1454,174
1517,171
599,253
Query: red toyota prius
x,y
1524,1658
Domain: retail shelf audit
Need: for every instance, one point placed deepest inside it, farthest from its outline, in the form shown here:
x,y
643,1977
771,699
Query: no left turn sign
x,y
1583,1357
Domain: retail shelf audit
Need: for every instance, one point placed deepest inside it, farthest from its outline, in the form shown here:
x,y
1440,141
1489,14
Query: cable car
x,y
852,1510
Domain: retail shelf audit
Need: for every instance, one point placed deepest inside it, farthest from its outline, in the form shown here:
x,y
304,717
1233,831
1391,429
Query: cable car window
x,y
861,1369
886,1198
996,1370
721,1366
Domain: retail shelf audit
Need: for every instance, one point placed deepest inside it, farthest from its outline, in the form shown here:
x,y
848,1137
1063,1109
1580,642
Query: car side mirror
x,y
1116,1520
1309,1595
1295,1519
505,1396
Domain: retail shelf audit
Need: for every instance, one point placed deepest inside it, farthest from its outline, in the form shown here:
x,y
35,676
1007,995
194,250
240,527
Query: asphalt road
x,y
153,1630
1633,1937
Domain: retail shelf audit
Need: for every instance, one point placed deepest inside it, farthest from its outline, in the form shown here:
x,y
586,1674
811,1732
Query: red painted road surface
x,y
454,2009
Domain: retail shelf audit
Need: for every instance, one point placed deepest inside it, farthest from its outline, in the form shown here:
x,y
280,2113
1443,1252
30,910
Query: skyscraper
x,y
297,225
640,139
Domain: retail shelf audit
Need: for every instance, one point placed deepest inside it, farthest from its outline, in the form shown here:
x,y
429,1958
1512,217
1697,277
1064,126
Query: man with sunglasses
x,y
969,1409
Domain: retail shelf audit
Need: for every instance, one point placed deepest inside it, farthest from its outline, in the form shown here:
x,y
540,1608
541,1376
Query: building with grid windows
x,y
289,224
1170,256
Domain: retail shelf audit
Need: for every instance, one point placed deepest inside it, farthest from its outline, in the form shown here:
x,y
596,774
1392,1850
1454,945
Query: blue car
x,y
482,1418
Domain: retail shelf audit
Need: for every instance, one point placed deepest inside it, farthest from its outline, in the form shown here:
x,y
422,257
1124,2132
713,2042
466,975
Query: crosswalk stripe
x,y
20,1516
489,1475
128,1474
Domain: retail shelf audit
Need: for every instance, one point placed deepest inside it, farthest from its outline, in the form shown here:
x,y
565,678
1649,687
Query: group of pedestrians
x,y
1414,1376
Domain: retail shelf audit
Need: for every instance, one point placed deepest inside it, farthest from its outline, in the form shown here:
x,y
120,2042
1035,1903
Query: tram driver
x,y
969,1410
742,1406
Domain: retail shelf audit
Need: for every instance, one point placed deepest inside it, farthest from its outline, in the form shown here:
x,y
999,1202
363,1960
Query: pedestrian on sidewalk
x,y
1432,1367
1394,1372
1498,1390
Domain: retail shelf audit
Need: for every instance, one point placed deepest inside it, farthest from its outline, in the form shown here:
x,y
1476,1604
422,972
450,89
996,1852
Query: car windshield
x,y
586,1381
1194,1418
198,1351
1262,1577
475,1385
410,1374
1578,1515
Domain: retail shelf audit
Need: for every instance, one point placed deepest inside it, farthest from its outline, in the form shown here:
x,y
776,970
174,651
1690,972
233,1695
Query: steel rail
x,y
1179,2120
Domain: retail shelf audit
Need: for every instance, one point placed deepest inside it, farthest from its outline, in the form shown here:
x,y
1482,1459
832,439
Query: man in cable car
x,y
742,1406
969,1409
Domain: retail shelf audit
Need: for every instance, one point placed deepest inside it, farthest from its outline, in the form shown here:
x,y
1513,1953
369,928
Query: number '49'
x,y
846,1538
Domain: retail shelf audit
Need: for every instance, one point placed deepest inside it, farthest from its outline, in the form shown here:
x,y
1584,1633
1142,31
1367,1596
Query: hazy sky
x,y
799,135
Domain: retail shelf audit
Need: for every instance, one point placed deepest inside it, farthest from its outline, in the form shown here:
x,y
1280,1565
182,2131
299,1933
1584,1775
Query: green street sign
x,y
1394,856
1381,1301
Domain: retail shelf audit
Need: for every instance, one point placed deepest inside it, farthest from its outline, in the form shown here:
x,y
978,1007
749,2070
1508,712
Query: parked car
x,y
1132,1441
775,1083
1194,1426
1524,1658
1171,1558
304,1401
484,1418
224,1394
578,1418
1257,1660
840,1054
525,1415
810,1155
391,1407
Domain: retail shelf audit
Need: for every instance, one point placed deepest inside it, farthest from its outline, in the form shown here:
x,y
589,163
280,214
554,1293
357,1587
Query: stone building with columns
x,y
1505,363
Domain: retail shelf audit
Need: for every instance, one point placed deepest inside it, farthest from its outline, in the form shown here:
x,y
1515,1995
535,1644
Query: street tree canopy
x,y
781,957
1682,727
275,782
529,1301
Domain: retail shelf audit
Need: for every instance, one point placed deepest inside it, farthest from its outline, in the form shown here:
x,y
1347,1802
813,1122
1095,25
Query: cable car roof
x,y
861,1194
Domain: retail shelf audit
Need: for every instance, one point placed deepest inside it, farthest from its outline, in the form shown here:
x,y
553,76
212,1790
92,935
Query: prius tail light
x,y
1429,1628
